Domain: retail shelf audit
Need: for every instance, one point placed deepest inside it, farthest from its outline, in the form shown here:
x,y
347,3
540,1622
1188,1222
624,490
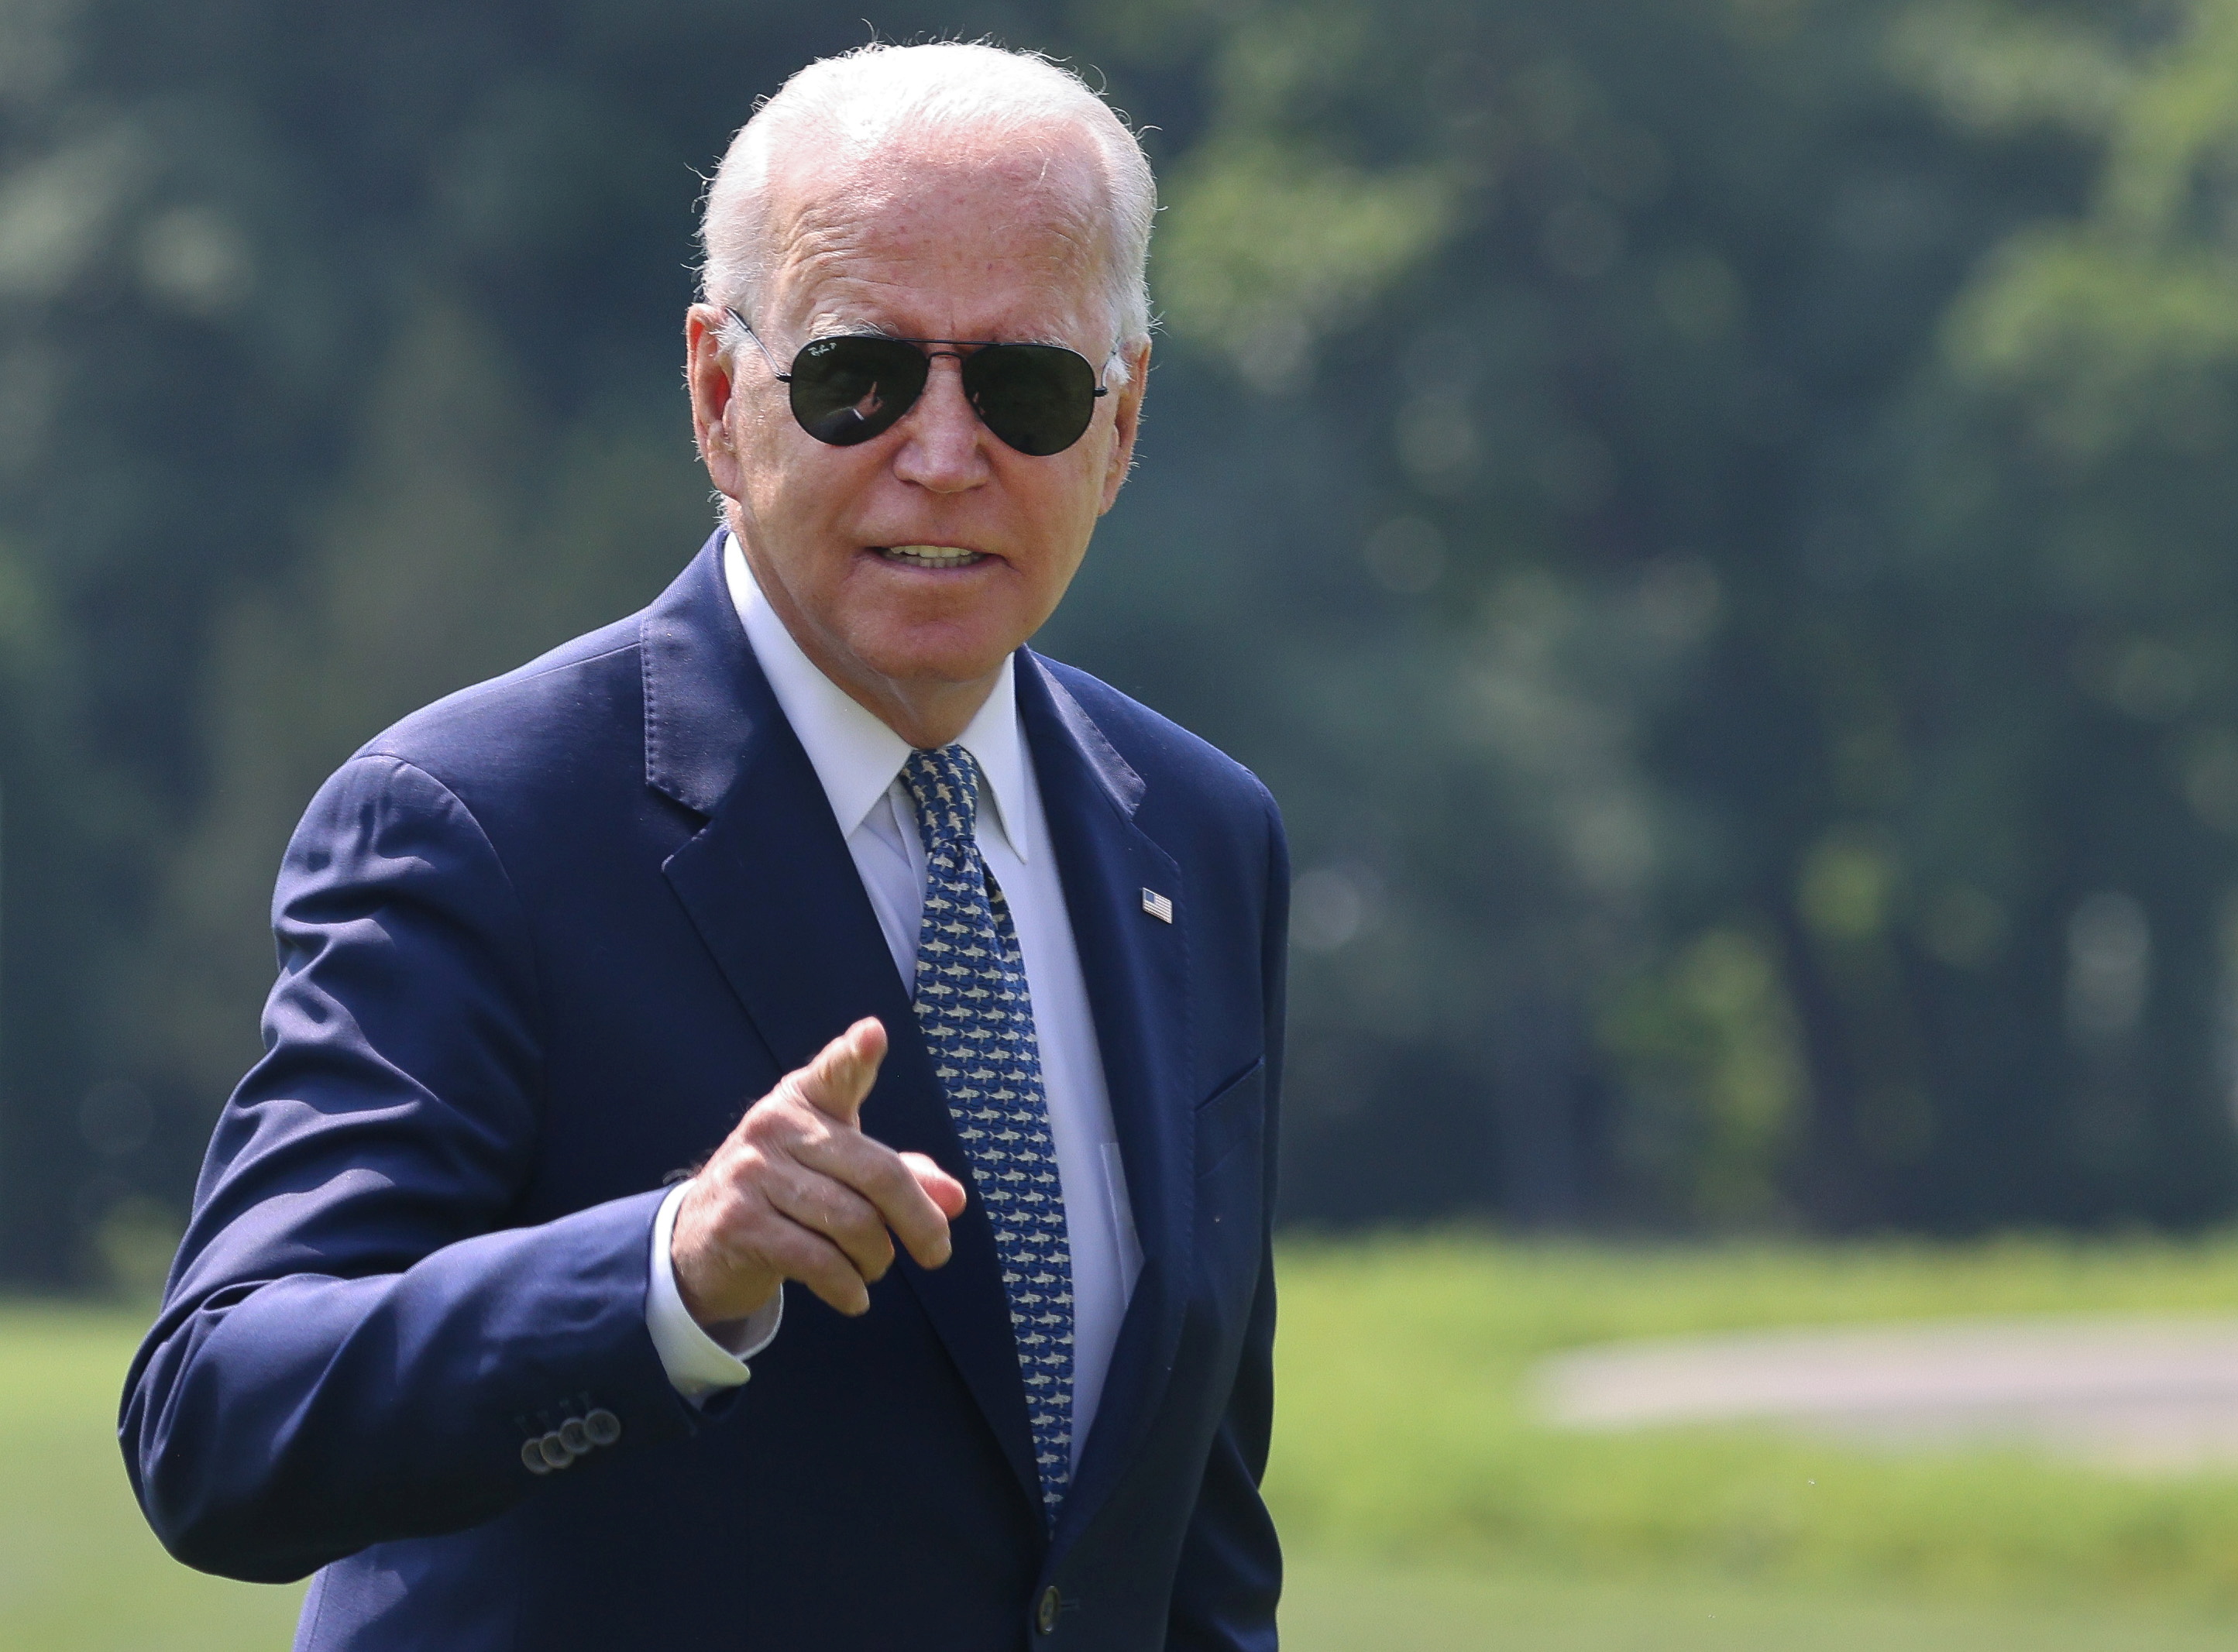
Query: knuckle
x,y
857,1226
900,1188
743,1171
874,1171
740,1235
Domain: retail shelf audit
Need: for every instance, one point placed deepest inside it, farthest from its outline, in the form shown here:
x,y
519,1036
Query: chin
x,y
938,649
955,669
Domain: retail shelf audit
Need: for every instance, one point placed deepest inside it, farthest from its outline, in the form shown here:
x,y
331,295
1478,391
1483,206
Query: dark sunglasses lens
x,y
847,390
1038,398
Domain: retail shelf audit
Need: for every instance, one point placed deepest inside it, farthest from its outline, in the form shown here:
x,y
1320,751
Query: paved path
x,y
2146,1393
1337,1604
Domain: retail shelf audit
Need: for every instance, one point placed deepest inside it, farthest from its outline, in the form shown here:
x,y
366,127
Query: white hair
x,y
864,100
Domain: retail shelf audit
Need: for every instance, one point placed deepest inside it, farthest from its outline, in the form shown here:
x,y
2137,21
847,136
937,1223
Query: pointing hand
x,y
797,1191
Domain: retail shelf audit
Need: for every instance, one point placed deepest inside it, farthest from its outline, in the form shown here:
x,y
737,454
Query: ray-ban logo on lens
x,y
1158,906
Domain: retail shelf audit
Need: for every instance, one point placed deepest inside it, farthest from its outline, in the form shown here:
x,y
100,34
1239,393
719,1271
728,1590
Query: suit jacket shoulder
x,y
1171,766
535,729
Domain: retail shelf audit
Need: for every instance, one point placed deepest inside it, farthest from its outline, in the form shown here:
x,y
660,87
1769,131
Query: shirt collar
x,y
856,756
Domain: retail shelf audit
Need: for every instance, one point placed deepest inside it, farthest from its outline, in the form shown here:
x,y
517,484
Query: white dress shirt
x,y
859,760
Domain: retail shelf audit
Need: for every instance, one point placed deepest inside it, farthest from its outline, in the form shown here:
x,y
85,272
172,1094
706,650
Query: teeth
x,y
931,556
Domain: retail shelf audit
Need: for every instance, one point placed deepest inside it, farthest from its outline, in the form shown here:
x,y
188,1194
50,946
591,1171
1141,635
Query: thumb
x,y
940,1188
840,1076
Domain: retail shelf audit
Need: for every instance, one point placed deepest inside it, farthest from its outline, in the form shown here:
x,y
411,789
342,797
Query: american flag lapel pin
x,y
1158,906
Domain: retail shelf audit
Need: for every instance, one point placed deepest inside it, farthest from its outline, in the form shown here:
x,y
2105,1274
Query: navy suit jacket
x,y
541,945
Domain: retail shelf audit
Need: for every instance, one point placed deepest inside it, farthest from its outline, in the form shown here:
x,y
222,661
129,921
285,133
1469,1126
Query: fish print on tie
x,y
977,1018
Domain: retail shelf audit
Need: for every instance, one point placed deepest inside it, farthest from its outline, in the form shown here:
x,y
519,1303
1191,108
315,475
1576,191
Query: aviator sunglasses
x,y
849,389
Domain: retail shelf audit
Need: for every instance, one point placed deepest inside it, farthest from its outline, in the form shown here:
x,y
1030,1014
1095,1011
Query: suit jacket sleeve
x,y
355,1340
1230,1573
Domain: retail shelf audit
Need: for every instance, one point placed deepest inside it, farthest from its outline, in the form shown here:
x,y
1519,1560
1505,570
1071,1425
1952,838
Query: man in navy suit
x,y
634,1004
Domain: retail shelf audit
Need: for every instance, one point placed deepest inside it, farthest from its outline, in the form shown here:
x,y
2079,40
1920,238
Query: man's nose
x,y
942,441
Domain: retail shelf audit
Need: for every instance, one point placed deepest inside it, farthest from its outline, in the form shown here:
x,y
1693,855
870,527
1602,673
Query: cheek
x,y
1084,508
1064,491
1052,571
795,490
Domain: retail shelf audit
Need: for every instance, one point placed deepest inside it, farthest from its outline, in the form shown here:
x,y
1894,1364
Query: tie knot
x,y
945,782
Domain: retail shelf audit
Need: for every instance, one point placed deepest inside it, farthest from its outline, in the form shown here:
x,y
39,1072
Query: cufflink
x,y
1158,906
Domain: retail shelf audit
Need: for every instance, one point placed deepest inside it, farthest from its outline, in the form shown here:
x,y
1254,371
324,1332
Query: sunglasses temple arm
x,y
782,376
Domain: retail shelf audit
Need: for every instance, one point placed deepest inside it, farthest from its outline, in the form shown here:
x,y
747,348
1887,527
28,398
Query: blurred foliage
x,y
1710,514
2099,317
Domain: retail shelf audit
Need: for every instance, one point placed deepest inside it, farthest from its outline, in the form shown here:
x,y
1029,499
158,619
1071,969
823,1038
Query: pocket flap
x,y
1231,1115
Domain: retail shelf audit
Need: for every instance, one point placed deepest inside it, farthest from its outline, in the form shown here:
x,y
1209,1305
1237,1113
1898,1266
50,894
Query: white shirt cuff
x,y
699,1362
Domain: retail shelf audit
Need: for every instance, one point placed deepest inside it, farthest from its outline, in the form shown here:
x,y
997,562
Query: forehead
x,y
982,238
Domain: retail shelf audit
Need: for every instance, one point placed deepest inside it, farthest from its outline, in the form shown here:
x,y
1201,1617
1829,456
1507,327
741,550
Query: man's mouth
x,y
930,556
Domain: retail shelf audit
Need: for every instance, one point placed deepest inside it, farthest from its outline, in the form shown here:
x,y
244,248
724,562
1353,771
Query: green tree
x,y
1709,513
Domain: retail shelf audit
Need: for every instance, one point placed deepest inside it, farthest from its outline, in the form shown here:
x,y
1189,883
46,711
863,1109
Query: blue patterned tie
x,y
978,1022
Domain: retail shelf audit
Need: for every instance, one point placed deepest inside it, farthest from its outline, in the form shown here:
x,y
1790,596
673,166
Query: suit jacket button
x,y
603,1426
1045,1613
531,1456
555,1449
575,1436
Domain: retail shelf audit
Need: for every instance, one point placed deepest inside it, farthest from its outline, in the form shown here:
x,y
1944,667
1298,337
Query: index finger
x,y
840,1076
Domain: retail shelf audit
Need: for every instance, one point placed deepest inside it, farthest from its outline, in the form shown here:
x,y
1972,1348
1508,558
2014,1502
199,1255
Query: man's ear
x,y
707,377
1126,420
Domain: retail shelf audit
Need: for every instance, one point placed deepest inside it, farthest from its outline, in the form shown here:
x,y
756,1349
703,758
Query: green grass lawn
x,y
79,1571
1404,1431
1336,1605
1423,1505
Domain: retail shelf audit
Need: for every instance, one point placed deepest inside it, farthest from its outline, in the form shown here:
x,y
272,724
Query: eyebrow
x,y
876,330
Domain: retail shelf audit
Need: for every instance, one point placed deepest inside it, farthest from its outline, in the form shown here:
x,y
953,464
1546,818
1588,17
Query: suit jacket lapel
x,y
774,894
1136,970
